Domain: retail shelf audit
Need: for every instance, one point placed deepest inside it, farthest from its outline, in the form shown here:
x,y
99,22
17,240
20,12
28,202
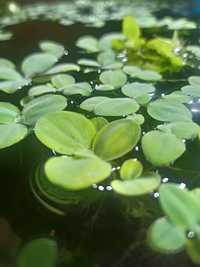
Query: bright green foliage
x,y
116,107
152,145
116,78
191,90
90,103
8,112
62,80
182,130
136,89
169,111
41,89
11,134
82,88
88,43
37,63
53,48
76,174
65,132
131,169
41,106
99,122
137,187
116,139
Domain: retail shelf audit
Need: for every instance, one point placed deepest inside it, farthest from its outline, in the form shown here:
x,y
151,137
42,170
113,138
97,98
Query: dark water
x,y
111,233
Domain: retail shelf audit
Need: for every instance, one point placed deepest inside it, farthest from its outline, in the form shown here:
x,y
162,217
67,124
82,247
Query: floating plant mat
x,y
114,126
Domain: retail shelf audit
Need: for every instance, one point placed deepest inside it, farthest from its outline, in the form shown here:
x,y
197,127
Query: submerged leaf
x,y
76,174
116,139
166,237
40,252
181,207
152,145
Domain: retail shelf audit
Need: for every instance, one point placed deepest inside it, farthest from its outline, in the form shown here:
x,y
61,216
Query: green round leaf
x,y
6,63
11,134
116,78
177,96
116,139
136,187
182,130
165,110
41,89
130,169
38,63
90,103
41,252
88,62
62,80
116,107
166,237
88,43
8,112
10,87
191,90
152,145
136,89
41,106
194,80
65,132
63,67
99,122
9,74
53,48
82,88
76,174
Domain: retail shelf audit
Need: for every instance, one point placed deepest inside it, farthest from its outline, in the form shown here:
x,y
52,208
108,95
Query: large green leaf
x,y
76,174
42,105
152,145
181,207
4,62
165,110
116,107
166,237
8,112
37,63
116,139
11,134
40,252
138,186
65,132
